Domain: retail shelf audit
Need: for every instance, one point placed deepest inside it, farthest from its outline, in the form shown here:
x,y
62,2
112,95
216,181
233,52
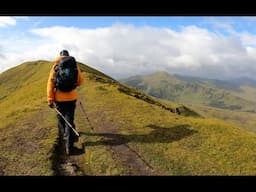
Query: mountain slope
x,y
133,134
242,87
190,90
246,120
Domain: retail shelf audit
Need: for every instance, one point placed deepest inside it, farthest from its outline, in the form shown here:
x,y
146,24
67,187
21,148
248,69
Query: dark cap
x,y
64,53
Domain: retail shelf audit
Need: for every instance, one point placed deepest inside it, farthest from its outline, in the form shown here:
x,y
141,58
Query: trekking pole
x,y
67,121
82,107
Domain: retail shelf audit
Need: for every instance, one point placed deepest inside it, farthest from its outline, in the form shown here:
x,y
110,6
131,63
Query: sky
x,y
216,47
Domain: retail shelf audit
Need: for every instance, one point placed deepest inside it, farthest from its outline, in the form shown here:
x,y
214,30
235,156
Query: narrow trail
x,y
133,162
64,165
67,165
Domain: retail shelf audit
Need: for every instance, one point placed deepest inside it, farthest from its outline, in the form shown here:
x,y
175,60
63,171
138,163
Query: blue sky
x,y
215,47
176,22
239,23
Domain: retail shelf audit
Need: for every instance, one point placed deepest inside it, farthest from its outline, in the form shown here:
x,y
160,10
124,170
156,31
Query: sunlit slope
x,y
171,144
246,120
27,130
124,119
189,90
241,87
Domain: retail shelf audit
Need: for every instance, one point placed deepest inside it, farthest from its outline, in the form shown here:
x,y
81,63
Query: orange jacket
x,y
56,95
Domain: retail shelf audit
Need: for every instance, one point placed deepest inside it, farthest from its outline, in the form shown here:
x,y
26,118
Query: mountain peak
x,y
161,73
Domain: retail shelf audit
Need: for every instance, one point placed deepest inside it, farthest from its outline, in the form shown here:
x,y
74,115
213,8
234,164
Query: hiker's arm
x,y
50,86
50,83
79,77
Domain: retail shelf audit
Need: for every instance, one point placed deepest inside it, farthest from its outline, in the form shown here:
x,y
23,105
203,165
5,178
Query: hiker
x,y
63,94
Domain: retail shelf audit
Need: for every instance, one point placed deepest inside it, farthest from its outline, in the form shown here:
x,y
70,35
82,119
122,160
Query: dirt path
x,y
131,160
134,163
64,165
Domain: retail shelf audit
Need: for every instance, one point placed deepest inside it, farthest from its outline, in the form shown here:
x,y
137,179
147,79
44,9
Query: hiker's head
x,y
64,53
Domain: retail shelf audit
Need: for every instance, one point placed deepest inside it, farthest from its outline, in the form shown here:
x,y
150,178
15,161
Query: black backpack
x,y
65,78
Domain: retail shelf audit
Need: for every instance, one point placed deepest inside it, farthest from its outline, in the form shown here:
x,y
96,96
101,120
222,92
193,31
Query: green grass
x,y
245,120
174,145
186,144
27,126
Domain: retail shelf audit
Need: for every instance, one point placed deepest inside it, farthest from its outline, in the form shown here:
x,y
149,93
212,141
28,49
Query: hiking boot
x,y
76,151
76,139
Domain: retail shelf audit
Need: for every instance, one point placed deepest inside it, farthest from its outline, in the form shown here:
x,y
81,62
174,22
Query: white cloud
x,y
248,39
22,17
6,20
124,50
10,21
226,24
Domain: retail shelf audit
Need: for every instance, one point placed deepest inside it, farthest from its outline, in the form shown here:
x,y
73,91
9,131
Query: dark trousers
x,y
67,108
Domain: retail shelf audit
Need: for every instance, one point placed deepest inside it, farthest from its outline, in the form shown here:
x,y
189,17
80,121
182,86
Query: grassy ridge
x,y
172,144
23,89
122,117
26,129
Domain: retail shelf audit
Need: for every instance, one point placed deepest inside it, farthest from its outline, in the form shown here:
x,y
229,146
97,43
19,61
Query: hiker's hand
x,y
52,105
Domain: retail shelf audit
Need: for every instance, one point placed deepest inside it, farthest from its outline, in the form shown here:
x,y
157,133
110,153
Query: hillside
x,y
189,90
242,87
133,133
246,120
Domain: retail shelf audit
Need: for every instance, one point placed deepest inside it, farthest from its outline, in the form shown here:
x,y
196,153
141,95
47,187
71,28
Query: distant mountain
x,y
245,81
213,83
193,90
242,87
